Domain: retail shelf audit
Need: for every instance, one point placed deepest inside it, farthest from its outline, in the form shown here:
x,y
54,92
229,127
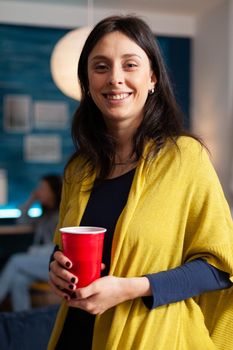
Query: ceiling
x,y
182,7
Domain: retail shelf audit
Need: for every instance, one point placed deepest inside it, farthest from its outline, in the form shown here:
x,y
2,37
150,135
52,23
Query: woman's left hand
x,y
109,291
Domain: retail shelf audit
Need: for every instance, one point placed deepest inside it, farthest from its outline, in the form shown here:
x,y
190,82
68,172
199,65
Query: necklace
x,y
126,163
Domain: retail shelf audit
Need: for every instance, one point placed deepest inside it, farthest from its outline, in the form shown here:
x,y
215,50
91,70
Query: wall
x,y
230,98
211,79
71,16
25,72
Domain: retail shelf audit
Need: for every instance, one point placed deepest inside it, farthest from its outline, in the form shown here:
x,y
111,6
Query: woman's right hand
x,y
61,280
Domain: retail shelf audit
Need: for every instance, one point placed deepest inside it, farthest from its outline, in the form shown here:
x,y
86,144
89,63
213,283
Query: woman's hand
x,y
109,291
61,280
98,296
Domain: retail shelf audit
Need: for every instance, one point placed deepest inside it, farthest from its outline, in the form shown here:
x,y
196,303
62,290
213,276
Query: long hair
x,y
55,183
163,118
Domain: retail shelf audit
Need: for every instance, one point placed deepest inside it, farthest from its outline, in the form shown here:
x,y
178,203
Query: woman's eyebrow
x,y
127,55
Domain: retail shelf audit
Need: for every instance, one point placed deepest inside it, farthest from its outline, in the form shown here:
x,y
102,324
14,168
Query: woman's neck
x,y
125,158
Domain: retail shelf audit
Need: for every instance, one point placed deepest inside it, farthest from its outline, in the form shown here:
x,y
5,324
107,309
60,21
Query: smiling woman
x,y
169,228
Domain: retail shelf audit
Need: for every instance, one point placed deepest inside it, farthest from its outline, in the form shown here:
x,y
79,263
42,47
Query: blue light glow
x,y
34,212
14,213
10,213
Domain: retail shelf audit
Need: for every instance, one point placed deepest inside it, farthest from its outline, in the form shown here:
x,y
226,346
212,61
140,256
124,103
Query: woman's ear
x,y
153,80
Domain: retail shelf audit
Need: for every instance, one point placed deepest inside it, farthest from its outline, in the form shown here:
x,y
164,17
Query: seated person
x,y
22,269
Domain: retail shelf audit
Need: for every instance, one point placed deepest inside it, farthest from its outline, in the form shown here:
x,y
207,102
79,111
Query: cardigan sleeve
x,y
64,203
183,282
75,181
209,228
62,211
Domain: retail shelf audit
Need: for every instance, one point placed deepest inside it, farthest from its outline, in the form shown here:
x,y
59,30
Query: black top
x,y
104,207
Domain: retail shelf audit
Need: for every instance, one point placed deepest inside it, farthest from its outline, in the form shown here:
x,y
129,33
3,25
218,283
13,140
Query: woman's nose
x,y
116,77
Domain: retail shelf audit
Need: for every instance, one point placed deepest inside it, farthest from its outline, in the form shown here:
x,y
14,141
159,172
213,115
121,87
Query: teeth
x,y
117,97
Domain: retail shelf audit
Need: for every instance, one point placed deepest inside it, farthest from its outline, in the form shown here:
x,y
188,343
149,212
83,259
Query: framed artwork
x,y
17,113
51,115
42,148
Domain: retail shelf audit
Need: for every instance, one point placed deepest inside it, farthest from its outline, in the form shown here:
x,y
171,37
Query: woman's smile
x,y
117,96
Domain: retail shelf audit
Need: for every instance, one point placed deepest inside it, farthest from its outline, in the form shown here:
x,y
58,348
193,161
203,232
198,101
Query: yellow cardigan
x,y
176,212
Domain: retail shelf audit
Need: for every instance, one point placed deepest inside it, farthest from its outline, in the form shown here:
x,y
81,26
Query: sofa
x,y
27,330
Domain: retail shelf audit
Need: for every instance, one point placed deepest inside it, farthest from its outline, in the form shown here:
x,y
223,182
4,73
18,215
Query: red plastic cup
x,y
83,245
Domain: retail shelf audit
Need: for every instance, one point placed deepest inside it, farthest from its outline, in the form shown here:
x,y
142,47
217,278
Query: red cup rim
x,y
82,230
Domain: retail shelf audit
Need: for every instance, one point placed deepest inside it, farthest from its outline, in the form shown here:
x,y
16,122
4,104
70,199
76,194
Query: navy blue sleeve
x,y
183,282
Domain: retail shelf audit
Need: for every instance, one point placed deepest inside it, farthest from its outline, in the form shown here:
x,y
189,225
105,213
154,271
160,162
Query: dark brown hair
x,y
55,183
162,118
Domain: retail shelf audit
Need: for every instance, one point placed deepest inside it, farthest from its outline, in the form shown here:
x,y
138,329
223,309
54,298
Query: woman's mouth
x,y
120,96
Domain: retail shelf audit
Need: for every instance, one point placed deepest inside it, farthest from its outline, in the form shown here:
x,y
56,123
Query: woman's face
x,y
120,76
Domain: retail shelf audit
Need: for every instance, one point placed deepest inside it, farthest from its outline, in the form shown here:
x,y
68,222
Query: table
x,y
15,229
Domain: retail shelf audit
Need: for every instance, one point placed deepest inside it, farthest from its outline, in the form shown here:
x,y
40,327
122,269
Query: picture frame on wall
x,y
17,113
51,115
42,148
3,187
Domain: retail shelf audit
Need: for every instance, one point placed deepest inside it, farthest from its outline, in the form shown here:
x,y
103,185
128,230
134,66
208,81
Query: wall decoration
x,y
50,115
3,187
42,148
17,113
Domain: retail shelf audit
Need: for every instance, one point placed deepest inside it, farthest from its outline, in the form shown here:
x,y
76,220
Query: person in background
x,y
22,269
168,250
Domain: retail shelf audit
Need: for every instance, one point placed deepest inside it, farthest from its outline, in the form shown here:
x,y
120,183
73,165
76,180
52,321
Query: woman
x,y
23,269
139,174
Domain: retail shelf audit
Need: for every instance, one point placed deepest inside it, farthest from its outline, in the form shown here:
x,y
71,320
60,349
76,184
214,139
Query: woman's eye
x,y
101,67
131,65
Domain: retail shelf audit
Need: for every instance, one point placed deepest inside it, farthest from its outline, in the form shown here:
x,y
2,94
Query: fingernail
x,y
71,286
68,264
72,280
